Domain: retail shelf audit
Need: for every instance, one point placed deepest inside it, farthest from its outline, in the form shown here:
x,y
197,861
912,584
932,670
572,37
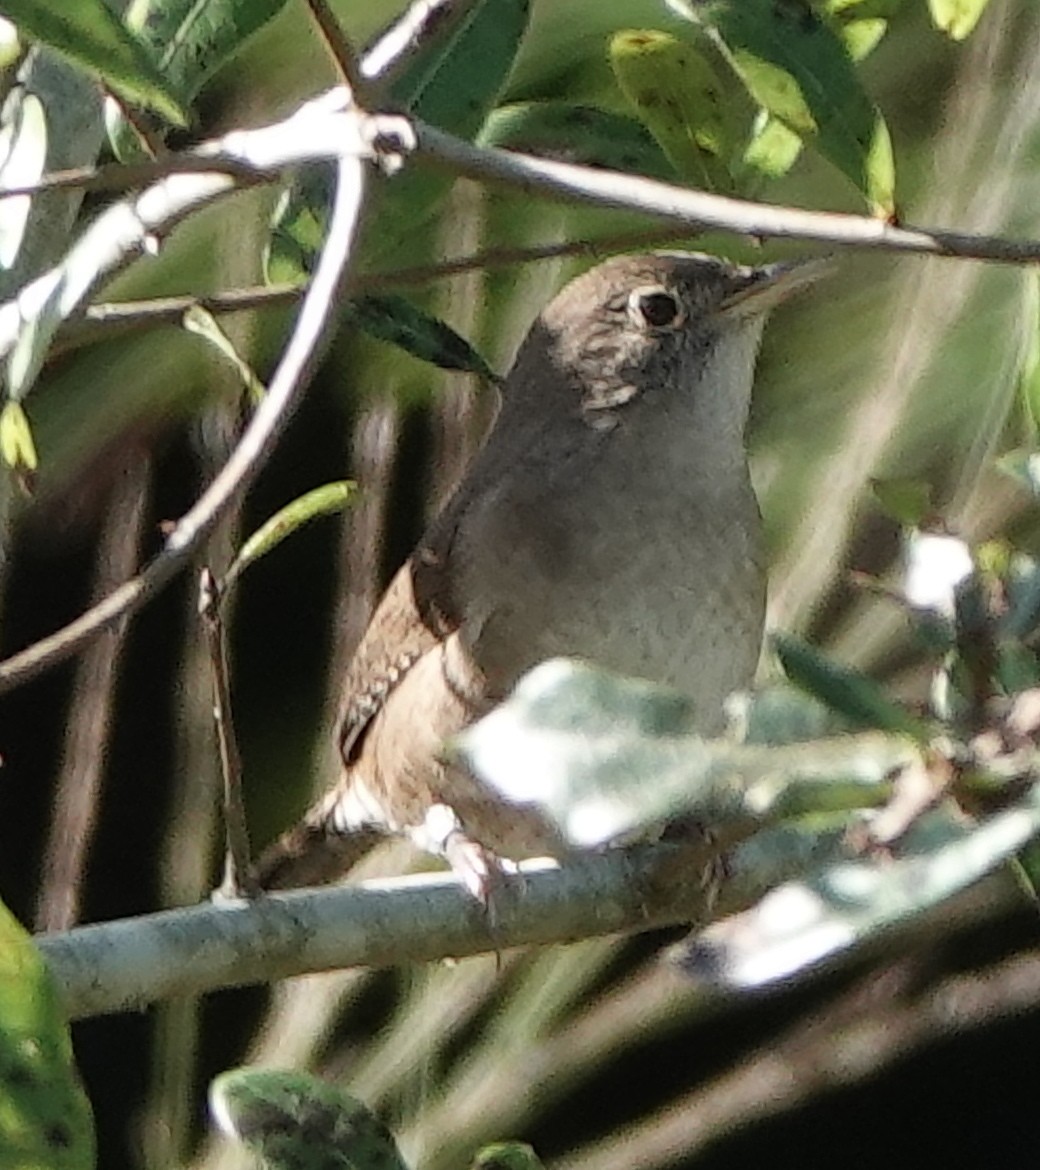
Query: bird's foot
x,y
691,831
484,874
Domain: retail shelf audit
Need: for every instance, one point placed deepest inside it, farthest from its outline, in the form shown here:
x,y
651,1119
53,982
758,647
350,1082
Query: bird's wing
x,y
415,614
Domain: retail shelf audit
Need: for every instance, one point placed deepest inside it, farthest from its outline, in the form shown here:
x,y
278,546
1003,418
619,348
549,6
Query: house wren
x,y
608,516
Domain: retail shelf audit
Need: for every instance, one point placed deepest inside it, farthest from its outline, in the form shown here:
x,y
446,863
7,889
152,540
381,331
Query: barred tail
x,y
312,854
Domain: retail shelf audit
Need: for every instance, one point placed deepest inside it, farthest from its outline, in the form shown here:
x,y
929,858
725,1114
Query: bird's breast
x,y
666,586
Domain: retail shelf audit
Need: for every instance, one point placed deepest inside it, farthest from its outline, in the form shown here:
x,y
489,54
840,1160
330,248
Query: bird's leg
x,y
480,870
690,830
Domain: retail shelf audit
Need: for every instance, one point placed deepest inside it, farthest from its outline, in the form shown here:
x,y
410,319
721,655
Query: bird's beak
x,y
773,283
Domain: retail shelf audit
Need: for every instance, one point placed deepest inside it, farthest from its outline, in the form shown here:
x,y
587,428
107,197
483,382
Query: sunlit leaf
x,y
772,149
92,35
292,1121
506,1156
604,757
579,134
956,18
203,324
321,501
804,923
936,565
17,448
45,1118
675,90
795,66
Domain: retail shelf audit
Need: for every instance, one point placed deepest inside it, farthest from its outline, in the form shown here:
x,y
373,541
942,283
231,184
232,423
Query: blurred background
x,y
596,1053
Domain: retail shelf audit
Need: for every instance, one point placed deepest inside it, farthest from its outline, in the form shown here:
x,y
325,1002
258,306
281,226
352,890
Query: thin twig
x,y
239,879
312,326
424,21
340,49
699,210
113,317
119,176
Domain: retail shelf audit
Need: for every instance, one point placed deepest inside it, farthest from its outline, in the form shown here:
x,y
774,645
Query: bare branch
x,y
700,210
392,53
340,49
104,319
123,965
294,368
119,176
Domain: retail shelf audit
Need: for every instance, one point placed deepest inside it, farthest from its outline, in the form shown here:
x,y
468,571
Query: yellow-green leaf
x,y
17,448
907,501
321,501
680,98
1029,370
203,324
956,18
773,149
795,66
45,1118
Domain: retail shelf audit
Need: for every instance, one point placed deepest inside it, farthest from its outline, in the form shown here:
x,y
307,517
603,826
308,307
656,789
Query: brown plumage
x,y
609,516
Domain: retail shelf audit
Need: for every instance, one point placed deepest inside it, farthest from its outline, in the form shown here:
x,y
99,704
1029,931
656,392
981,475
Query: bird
x,y
609,516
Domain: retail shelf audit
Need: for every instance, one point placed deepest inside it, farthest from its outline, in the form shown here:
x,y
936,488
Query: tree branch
x,y
117,966
700,210
286,385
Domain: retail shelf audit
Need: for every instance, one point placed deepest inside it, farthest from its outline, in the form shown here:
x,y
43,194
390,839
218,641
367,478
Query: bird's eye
x,y
657,308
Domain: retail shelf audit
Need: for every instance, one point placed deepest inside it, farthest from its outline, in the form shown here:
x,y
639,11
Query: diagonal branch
x,y
286,385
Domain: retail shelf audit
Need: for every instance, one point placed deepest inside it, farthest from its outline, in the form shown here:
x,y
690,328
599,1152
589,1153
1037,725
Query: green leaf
x,y
907,501
321,501
298,226
506,1156
802,924
772,149
579,134
956,18
192,39
677,93
1022,590
17,448
398,321
454,84
603,757
45,1118
782,714
795,66
203,324
89,33
846,692
292,1121
1029,370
